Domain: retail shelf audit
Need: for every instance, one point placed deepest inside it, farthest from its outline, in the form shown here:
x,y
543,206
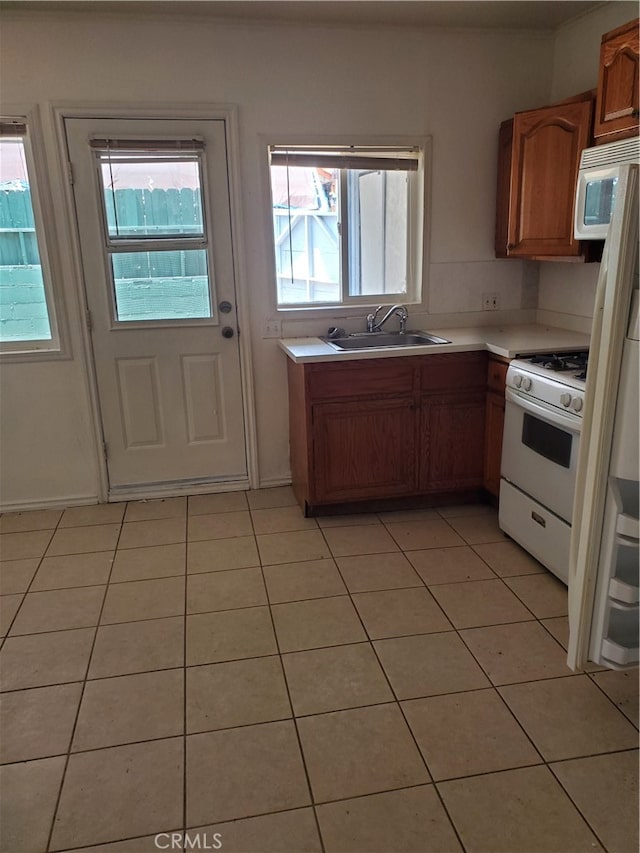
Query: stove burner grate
x,y
564,362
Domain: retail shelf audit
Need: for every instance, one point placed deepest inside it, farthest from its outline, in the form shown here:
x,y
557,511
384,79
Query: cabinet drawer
x,y
497,375
453,371
367,378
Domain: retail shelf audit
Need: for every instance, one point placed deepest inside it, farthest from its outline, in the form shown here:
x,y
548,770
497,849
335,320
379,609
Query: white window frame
x,y
30,350
417,250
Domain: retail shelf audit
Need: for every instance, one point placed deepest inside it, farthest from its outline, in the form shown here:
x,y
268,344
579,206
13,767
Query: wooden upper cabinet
x,y
617,101
505,141
545,156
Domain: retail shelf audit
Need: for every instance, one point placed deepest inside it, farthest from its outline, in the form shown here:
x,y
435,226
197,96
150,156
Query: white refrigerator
x,y
604,556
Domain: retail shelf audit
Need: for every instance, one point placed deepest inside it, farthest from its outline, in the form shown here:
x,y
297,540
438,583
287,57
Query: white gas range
x,y
543,419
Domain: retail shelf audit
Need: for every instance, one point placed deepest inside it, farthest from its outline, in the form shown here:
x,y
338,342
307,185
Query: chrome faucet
x,y
400,310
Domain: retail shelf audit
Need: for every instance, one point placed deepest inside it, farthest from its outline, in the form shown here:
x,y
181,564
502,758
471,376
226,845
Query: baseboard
x,y
141,494
275,482
49,503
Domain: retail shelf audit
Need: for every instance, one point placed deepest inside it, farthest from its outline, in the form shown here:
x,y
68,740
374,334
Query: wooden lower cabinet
x,y
493,442
494,424
364,449
386,428
452,442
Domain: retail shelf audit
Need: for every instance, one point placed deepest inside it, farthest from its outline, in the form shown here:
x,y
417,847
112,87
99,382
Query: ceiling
x,y
491,14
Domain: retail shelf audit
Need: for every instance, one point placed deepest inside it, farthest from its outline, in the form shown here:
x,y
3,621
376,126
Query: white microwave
x,y
597,184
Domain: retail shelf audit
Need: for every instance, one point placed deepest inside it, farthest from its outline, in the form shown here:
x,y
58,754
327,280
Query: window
x,y
346,224
155,233
27,318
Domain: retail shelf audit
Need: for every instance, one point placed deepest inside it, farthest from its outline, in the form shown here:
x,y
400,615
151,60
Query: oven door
x,y
540,452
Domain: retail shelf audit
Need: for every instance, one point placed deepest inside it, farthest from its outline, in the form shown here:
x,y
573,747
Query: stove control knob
x,y
577,404
526,383
565,399
517,380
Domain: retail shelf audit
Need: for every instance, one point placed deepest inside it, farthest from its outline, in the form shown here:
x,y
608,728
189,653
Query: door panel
x,y
139,395
155,236
202,382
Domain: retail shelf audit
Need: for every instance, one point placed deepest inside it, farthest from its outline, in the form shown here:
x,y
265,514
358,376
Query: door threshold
x,y
151,491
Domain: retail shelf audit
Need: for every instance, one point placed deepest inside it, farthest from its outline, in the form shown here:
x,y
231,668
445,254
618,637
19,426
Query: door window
x,y
155,229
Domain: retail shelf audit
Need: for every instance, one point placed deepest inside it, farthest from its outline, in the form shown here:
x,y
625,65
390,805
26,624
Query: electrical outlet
x,y
490,302
272,329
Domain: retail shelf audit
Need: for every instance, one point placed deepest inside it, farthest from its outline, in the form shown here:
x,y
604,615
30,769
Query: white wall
x,y
566,292
576,52
287,81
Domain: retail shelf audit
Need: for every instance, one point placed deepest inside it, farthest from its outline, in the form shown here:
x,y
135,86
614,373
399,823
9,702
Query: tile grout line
x,y
82,690
184,675
593,681
24,594
280,655
53,530
257,657
577,807
293,715
491,687
545,763
400,708
494,688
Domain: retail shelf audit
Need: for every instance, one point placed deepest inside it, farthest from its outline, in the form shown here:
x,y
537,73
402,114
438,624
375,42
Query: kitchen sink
x,y
375,340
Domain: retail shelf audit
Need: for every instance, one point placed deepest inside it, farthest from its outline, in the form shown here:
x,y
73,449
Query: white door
x,y
152,205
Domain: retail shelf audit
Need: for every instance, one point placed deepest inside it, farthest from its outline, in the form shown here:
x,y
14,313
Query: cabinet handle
x,y
635,113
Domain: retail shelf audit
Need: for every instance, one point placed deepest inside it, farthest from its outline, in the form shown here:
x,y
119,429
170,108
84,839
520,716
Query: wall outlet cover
x,y
272,329
490,302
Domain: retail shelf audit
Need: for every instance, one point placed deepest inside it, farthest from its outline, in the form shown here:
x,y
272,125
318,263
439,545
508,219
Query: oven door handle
x,y
552,416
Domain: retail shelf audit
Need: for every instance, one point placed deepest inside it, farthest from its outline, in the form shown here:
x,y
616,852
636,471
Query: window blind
x,y
184,146
13,128
353,157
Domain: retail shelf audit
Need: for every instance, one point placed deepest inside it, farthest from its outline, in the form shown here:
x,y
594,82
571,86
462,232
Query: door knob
x,y
225,307
227,332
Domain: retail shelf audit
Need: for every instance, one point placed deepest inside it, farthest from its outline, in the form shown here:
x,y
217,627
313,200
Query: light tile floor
x,y
221,665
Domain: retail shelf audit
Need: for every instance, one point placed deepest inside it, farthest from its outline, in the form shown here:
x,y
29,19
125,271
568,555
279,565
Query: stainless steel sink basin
x,y
375,340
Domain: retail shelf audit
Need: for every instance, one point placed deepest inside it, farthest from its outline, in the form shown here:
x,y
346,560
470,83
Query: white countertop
x,y
507,341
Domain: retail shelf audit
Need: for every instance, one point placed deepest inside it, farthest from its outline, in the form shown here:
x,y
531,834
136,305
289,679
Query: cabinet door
x,y
545,157
494,427
617,101
452,442
364,449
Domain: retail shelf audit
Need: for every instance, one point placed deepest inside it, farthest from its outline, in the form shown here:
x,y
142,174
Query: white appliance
x,y
598,182
544,401
604,554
